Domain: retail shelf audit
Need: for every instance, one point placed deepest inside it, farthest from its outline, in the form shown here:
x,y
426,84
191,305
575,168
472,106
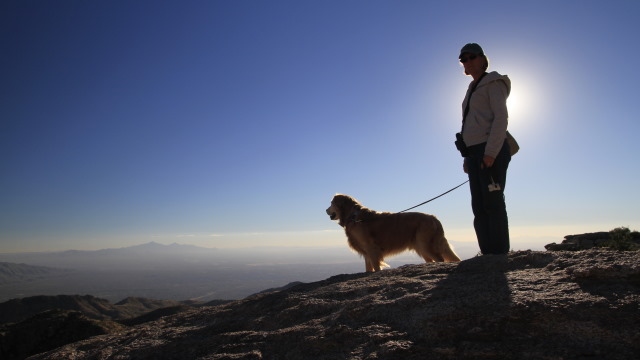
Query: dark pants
x,y
489,208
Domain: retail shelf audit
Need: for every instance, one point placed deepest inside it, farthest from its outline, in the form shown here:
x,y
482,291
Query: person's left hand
x,y
488,161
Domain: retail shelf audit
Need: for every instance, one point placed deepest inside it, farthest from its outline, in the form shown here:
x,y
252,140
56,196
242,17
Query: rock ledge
x,y
527,305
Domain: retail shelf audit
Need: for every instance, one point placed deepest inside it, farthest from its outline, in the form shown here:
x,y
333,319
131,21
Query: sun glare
x,y
513,104
517,103
520,102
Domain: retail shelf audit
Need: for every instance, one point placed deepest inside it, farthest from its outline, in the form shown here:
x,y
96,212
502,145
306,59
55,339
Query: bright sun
x,y
513,104
521,101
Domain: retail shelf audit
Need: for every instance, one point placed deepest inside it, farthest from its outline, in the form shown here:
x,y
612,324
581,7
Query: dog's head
x,y
341,207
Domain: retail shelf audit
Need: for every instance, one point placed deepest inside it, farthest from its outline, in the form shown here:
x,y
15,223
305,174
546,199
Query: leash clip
x,y
494,186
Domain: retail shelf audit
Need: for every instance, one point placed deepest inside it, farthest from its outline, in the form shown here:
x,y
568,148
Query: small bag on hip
x,y
513,144
461,146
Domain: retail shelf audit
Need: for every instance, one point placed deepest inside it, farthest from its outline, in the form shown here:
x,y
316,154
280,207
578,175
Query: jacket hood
x,y
495,76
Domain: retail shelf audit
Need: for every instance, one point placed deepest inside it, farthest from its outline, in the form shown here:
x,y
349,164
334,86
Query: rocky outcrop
x,y
40,323
527,305
597,239
49,330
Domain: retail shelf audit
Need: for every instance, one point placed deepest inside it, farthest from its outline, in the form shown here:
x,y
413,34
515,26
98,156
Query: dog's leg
x,y
425,246
441,246
368,265
426,257
377,265
375,259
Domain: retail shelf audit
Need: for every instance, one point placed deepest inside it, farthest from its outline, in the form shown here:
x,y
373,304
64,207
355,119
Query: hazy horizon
x,y
180,272
183,271
523,244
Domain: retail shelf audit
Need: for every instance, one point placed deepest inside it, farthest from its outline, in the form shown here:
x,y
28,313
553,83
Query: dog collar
x,y
354,216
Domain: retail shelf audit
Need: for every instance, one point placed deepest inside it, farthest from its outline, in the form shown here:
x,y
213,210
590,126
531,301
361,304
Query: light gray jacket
x,y
488,116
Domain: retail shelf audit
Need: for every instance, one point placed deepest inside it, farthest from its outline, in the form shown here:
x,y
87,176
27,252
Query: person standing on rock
x,y
485,149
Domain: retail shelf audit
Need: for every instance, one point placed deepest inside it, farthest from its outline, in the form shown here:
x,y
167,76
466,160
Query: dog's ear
x,y
342,201
346,204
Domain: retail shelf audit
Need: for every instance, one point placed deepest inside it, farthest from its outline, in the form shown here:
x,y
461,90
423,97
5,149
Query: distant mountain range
x,y
17,310
175,272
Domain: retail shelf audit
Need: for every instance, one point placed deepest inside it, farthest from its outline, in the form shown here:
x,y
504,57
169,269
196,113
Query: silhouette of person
x,y
484,131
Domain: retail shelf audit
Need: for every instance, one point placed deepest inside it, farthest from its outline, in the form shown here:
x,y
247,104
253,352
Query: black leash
x,y
434,197
464,116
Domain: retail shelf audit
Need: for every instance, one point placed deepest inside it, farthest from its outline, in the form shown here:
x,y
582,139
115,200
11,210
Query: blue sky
x,y
233,123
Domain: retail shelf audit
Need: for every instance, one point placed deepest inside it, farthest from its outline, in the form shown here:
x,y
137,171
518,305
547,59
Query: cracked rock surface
x,y
525,305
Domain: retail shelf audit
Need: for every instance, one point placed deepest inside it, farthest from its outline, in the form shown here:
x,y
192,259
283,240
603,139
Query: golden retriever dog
x,y
375,235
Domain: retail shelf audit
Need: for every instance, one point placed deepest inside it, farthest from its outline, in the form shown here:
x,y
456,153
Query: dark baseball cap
x,y
471,48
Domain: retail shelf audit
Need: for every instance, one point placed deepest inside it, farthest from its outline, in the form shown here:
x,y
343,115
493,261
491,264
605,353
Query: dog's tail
x,y
448,254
